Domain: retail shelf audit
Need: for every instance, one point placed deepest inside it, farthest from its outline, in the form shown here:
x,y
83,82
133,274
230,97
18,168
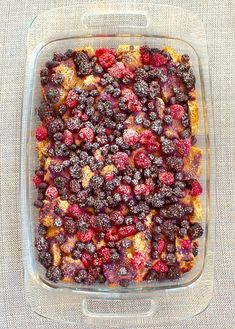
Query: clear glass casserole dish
x,y
109,25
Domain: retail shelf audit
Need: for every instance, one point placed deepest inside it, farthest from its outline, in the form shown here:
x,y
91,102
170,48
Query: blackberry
x,y
41,244
146,123
188,210
141,74
168,146
168,228
75,171
122,271
195,231
45,258
170,247
184,224
182,232
157,127
126,243
55,126
157,201
178,192
60,182
138,120
81,276
185,134
155,254
174,163
175,211
76,254
168,120
173,273
128,220
100,278
189,79
185,120
171,259
165,191
38,204
82,61
117,197
70,226
195,250
41,229
54,273
51,64
114,255
152,116
157,220
139,226
90,248
96,181
57,222
80,246
82,226
73,124
103,222
60,238
141,88
151,275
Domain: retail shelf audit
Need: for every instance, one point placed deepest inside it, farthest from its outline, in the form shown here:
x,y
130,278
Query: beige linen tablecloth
x,y
219,19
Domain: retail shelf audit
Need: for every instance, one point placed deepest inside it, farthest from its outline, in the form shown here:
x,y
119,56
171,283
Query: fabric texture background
x,y
219,20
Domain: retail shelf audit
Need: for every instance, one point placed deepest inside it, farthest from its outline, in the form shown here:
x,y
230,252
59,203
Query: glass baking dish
x,y
105,24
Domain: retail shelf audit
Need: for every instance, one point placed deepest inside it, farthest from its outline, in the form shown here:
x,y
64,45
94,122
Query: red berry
x,y
52,192
108,177
87,236
127,230
74,210
86,134
166,178
161,246
117,70
68,137
84,117
120,160
158,60
141,160
86,259
104,253
146,58
146,136
177,111
97,261
72,99
183,147
105,57
150,184
124,189
196,188
37,180
152,146
138,261
186,244
160,267
130,136
41,133
112,234
141,189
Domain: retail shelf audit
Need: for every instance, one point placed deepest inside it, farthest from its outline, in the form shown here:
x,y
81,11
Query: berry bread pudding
x,y
118,189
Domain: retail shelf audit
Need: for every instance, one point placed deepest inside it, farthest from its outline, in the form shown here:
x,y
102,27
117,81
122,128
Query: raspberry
x,y
158,60
141,160
186,244
196,188
97,261
120,160
161,246
141,189
127,231
124,189
52,192
130,136
105,57
108,177
104,253
86,134
74,210
117,217
152,147
87,236
145,58
117,70
68,137
86,259
160,267
166,178
183,147
177,111
138,261
146,136
112,234
72,99
41,133
37,180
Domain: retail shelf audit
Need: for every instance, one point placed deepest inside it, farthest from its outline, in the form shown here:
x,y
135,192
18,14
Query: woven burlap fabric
x,y
219,20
